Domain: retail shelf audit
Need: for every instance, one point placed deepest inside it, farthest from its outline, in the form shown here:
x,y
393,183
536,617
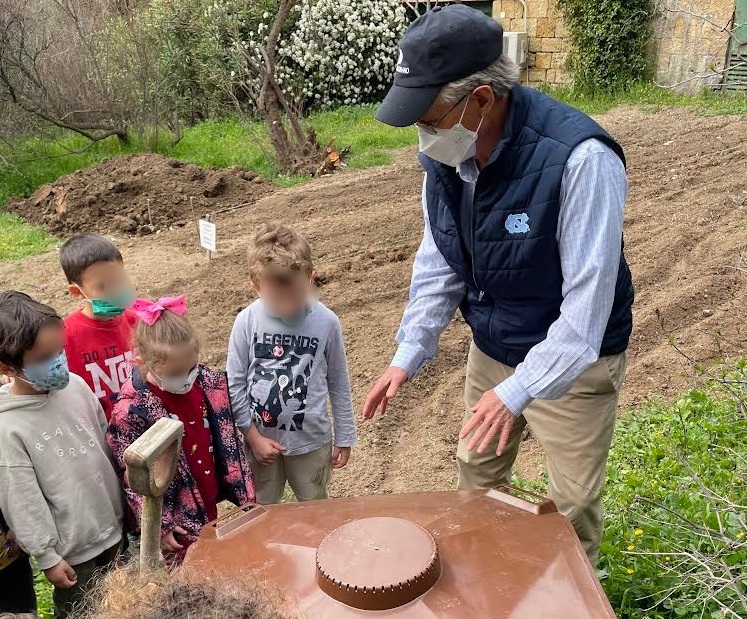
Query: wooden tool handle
x,y
151,462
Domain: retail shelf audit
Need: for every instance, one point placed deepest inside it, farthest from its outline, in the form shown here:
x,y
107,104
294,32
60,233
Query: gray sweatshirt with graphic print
x,y
58,490
282,376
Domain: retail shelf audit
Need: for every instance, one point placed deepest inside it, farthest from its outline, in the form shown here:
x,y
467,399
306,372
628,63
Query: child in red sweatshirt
x,y
99,335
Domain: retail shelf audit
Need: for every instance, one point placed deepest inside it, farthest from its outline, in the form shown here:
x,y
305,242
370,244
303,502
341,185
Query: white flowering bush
x,y
342,52
331,52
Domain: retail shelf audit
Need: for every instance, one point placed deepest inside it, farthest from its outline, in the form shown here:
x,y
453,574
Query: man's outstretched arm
x,y
435,293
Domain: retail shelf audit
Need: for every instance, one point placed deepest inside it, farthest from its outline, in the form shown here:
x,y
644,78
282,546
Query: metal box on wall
x,y
515,46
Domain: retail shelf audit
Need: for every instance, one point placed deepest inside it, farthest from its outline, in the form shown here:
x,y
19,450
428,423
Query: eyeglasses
x,y
431,128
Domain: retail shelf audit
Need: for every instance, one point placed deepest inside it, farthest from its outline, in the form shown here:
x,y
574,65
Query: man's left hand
x,y
490,416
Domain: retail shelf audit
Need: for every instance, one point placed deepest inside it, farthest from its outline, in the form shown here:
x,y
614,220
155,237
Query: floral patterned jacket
x,y
138,408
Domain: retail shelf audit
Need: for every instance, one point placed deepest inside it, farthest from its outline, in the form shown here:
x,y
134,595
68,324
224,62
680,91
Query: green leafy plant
x,y
675,539
675,542
610,40
44,602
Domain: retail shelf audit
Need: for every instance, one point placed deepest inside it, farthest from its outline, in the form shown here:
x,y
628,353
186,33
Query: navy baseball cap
x,y
443,45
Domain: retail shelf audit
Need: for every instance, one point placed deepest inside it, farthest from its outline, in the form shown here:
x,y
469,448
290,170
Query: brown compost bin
x,y
458,555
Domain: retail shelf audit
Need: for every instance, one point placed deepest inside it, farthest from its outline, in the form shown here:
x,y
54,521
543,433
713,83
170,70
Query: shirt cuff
x,y
513,394
409,357
244,421
346,442
48,558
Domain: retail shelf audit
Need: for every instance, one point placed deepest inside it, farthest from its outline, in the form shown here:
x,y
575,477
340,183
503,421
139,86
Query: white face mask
x,y
449,146
178,385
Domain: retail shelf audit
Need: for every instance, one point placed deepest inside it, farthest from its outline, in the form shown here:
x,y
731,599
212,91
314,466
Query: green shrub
x,y
676,504
180,56
610,42
675,539
174,57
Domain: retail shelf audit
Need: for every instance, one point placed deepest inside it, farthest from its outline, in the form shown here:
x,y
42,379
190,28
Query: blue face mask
x,y
51,375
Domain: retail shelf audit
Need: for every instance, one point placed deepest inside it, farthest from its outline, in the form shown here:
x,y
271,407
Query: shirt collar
x,y
468,171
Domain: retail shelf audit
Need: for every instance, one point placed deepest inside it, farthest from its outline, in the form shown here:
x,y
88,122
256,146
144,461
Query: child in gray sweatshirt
x,y
58,490
286,360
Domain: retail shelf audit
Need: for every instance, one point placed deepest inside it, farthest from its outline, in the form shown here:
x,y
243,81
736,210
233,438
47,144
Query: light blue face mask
x,y
50,375
113,306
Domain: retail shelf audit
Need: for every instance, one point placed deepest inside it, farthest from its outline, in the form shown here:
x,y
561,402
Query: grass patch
x,y
675,539
19,239
231,142
223,143
653,98
28,164
213,143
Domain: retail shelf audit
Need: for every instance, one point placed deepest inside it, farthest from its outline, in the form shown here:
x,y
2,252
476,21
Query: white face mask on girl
x,y
449,146
178,385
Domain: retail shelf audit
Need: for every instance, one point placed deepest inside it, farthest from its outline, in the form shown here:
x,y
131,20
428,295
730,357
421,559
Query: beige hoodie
x,y
58,491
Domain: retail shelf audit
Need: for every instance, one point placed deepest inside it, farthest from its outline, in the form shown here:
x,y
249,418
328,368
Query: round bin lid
x,y
377,563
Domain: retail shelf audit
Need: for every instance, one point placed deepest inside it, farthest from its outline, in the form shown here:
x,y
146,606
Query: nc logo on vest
x,y
517,224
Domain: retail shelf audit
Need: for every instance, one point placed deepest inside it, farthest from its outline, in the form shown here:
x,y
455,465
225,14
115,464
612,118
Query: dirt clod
x,y
128,225
215,184
114,196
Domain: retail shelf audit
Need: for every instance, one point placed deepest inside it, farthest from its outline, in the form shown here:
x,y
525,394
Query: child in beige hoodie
x,y
58,490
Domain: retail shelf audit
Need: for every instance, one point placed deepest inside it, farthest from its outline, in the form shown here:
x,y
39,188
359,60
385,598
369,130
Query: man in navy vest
x,y
523,204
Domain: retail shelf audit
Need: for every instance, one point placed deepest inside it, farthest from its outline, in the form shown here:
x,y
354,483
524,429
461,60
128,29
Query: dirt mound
x,y
684,235
137,194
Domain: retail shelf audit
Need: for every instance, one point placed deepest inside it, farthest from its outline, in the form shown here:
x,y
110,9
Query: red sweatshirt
x,y
99,351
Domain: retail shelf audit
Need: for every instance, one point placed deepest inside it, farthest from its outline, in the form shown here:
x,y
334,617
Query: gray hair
x,y
501,76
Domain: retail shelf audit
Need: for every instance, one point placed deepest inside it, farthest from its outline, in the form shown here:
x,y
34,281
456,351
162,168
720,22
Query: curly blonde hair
x,y
183,594
278,251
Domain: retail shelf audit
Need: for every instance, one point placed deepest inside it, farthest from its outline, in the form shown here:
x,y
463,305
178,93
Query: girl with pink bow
x,y
168,381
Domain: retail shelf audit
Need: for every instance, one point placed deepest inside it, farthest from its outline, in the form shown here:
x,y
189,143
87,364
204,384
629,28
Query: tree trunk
x,y
281,143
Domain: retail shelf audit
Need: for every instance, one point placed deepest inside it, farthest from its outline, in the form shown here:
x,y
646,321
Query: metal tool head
x,y
152,459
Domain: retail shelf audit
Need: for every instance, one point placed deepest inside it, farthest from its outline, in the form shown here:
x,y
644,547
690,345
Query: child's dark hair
x,y
80,252
154,342
125,594
21,318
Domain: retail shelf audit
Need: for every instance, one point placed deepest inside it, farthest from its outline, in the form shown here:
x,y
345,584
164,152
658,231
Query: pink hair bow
x,y
149,311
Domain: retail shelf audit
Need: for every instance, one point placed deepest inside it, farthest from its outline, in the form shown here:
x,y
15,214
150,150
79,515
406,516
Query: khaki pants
x,y
308,476
575,432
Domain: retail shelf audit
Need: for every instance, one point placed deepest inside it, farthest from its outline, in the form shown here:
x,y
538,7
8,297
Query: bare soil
x,y
137,194
684,237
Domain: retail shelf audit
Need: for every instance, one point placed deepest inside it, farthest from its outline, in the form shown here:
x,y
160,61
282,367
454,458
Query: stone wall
x,y
691,39
549,44
689,47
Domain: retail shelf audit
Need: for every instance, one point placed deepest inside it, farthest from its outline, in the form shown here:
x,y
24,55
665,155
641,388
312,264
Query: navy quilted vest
x,y
511,263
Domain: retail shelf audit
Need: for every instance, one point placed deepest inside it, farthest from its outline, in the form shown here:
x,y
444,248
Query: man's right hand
x,y
264,450
384,390
61,575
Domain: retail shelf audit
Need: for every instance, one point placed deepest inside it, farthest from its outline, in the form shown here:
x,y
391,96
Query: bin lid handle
x,y
523,499
237,518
